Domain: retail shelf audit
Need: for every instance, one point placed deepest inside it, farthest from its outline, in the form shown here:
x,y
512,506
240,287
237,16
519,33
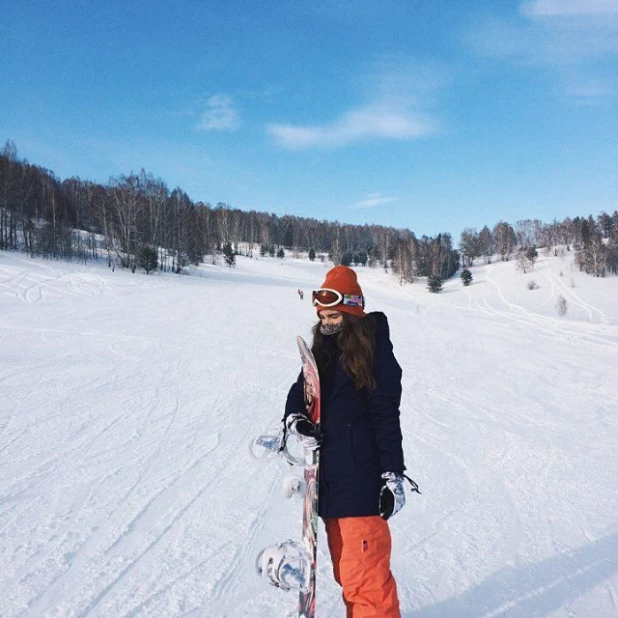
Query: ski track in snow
x,y
127,403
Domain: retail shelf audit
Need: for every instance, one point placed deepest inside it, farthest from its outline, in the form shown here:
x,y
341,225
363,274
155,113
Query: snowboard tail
x,y
306,598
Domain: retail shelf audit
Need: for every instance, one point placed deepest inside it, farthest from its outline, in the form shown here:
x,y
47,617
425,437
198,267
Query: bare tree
x,y
470,245
335,248
504,237
486,241
522,262
126,205
222,212
403,264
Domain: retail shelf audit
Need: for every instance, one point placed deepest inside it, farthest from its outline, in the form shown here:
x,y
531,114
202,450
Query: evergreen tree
x,y
312,254
148,259
531,255
361,258
281,253
466,277
346,259
229,254
434,284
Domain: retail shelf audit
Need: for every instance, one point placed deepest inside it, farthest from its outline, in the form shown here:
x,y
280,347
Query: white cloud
x,y
569,7
220,114
372,200
572,32
589,90
370,122
575,41
396,90
546,38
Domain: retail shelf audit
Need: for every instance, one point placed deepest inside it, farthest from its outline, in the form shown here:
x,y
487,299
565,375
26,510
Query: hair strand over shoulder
x,y
357,344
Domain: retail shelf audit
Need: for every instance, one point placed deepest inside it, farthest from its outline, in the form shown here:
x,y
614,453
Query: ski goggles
x,y
326,297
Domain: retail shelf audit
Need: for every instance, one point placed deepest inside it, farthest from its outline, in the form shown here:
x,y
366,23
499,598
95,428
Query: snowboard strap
x,y
413,484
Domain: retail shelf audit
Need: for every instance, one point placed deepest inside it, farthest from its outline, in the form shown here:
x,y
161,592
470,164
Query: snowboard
x,y
291,565
311,379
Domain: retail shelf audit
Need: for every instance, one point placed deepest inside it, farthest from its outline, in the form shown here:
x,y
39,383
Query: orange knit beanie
x,y
343,280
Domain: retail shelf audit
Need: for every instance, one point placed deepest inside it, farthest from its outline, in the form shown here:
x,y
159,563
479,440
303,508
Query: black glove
x,y
392,495
307,433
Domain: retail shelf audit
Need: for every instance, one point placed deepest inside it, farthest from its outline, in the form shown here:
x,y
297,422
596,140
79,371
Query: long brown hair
x,y
356,342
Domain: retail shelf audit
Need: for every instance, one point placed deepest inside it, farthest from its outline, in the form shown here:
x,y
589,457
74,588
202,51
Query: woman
x,y
361,456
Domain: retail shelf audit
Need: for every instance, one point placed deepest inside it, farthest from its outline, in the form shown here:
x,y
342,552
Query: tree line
x,y
594,240
133,216
136,221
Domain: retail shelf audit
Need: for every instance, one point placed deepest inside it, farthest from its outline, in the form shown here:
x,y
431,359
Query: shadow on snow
x,y
532,590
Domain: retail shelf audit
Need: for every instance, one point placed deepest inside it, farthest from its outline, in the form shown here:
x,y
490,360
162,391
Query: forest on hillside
x,y
136,221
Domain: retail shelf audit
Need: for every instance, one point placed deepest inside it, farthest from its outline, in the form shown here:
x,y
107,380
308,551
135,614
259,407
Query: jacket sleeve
x,y
385,399
296,398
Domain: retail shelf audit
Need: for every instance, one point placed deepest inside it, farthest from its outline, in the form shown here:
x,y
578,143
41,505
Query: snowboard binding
x,y
285,565
294,485
271,445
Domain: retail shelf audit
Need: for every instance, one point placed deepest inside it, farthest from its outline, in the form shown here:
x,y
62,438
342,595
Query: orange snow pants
x,y
360,548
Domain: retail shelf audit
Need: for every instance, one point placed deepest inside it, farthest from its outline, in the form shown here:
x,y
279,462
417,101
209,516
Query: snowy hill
x,y
127,403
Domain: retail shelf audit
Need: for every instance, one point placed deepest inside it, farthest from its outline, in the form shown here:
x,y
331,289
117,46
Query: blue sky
x,y
434,116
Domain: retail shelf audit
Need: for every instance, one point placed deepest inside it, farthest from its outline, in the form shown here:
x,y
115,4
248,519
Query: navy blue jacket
x,y
361,430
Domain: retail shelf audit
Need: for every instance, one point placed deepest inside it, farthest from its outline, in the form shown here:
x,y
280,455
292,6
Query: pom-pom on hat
x,y
343,280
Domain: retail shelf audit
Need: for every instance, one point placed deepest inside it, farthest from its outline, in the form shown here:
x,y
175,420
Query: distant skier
x,y
301,294
361,456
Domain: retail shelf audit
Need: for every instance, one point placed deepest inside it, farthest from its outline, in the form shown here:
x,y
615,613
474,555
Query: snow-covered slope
x,y
127,403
